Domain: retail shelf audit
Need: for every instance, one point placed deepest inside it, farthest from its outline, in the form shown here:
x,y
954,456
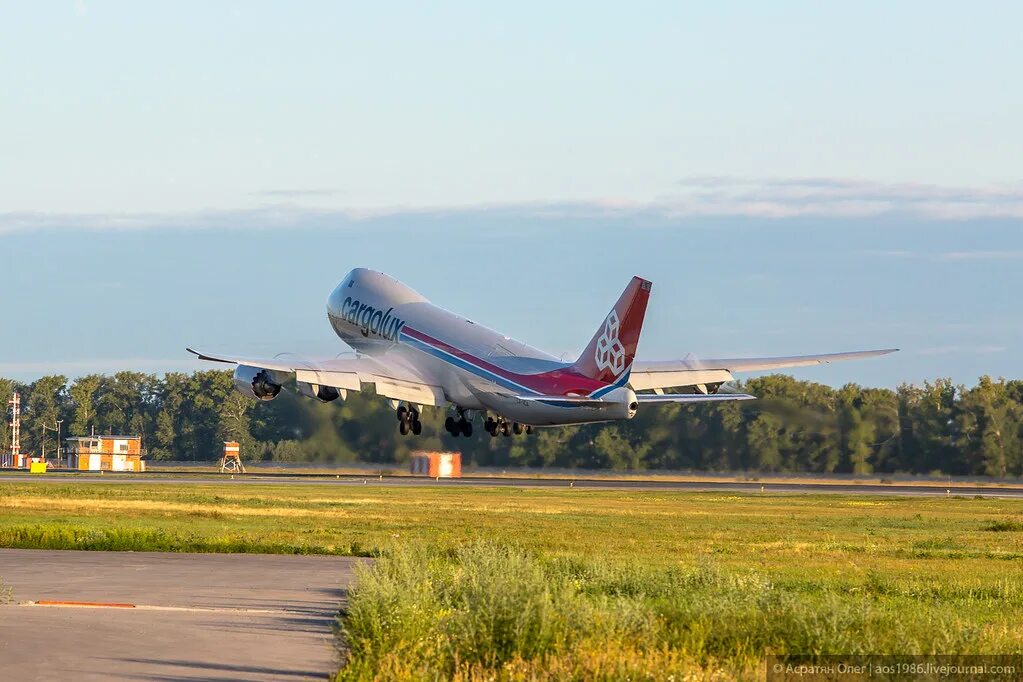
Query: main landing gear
x,y
502,427
458,427
408,420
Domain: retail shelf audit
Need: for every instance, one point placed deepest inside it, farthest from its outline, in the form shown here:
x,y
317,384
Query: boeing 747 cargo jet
x,y
418,354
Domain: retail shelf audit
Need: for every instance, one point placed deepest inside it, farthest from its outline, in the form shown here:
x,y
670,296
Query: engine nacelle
x,y
255,382
322,393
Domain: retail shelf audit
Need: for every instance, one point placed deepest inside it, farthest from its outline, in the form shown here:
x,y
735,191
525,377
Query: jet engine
x,y
256,383
322,393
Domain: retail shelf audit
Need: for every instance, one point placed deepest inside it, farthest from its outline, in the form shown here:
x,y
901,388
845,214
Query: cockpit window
x,y
351,283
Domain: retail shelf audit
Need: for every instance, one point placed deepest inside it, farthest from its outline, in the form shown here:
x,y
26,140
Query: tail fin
x,y
610,353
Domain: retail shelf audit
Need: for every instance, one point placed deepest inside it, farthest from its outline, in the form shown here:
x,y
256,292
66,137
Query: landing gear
x,y
461,426
502,427
408,420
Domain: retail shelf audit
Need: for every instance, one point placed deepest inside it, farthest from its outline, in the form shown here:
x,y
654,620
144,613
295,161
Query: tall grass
x,y
120,539
1005,526
492,611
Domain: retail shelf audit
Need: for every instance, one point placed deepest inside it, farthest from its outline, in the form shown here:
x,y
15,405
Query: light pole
x,y
57,422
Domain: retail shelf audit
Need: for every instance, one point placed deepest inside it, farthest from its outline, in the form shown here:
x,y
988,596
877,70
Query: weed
x,y
496,611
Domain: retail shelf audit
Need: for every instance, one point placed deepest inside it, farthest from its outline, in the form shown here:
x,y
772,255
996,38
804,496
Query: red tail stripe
x,y
555,382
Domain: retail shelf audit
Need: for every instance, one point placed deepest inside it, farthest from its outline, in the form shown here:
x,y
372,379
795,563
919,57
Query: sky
x,y
794,177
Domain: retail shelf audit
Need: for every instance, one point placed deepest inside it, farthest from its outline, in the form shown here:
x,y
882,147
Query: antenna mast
x,y
15,403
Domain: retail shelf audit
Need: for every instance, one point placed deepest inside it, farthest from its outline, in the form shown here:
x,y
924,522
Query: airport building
x,y
105,453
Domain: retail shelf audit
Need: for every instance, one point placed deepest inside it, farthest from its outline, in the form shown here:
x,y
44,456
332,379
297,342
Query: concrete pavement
x,y
195,616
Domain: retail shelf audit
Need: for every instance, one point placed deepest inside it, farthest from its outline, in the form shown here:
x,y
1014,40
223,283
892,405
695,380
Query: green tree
x,y
82,394
45,403
988,423
858,433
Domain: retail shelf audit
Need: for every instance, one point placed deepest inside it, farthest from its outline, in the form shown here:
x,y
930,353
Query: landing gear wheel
x,y
417,427
403,427
505,429
517,428
451,426
466,428
529,430
402,413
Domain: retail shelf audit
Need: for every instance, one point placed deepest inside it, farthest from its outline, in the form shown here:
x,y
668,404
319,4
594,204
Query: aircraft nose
x,y
337,297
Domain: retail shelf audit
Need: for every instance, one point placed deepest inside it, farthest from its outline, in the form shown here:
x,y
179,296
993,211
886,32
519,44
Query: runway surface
x,y
767,486
195,616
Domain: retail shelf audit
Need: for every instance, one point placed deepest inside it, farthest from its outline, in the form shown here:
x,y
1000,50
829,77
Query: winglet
x,y
203,356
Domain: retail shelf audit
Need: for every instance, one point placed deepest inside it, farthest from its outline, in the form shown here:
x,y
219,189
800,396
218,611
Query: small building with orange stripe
x,y
105,453
437,464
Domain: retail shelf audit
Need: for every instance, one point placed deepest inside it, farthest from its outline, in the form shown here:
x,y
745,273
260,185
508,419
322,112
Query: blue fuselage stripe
x,y
467,366
496,378
601,392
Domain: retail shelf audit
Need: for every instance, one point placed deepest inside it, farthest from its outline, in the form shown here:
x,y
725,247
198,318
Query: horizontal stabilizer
x,y
567,400
691,397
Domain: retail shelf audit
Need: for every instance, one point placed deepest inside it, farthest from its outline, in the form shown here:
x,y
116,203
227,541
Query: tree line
x,y
795,426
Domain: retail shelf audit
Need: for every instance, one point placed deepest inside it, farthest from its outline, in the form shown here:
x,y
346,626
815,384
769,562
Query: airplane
x,y
417,354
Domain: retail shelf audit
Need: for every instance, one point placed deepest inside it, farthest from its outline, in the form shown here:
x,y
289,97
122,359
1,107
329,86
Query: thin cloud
x,y
297,193
962,350
954,256
842,197
982,255
694,197
95,365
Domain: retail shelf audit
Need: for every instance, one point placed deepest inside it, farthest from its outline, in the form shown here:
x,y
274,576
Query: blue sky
x,y
798,177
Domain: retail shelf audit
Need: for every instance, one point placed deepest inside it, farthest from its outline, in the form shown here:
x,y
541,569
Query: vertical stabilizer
x,y
610,353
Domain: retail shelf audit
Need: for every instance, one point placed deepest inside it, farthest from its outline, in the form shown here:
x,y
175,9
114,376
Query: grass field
x,y
158,469
574,584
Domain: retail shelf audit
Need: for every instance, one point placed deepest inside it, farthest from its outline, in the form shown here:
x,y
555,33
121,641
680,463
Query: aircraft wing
x,y
693,372
758,364
390,375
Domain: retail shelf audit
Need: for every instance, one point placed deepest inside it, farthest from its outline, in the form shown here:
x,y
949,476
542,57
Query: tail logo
x,y
610,353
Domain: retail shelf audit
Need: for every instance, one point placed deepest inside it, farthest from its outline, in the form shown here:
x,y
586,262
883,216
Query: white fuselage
x,y
476,367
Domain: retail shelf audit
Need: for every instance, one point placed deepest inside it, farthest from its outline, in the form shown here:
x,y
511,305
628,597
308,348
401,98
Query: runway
x,y
154,616
759,487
